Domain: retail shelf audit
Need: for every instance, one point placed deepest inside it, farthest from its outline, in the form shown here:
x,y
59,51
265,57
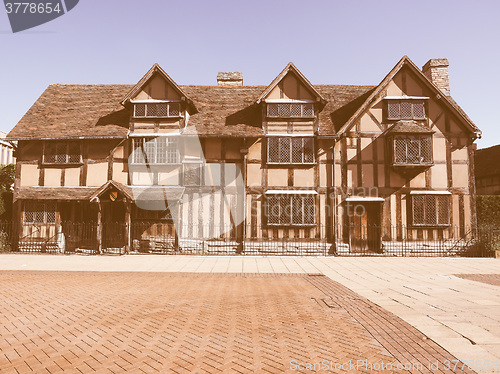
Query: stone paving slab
x,y
493,279
85,322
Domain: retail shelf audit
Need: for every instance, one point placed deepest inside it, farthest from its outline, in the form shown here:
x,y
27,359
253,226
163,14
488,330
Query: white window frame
x,y
171,145
443,196
290,138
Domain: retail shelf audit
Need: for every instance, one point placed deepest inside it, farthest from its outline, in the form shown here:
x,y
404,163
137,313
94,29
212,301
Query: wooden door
x,y
366,227
359,238
114,233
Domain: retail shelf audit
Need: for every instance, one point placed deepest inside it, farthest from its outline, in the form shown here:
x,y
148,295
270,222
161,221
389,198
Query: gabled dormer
x,y
158,100
291,96
290,107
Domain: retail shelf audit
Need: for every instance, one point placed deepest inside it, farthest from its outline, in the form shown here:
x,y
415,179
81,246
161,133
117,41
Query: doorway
x,y
114,229
365,226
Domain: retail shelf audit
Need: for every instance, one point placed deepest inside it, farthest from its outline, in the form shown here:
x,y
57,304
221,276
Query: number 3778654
x,y
33,8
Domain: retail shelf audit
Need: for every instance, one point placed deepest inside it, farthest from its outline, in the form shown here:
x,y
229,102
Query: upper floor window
x,y
62,153
405,109
412,149
290,110
157,150
157,110
430,209
290,150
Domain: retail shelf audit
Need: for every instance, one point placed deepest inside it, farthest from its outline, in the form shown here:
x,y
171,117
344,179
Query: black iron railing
x,y
163,237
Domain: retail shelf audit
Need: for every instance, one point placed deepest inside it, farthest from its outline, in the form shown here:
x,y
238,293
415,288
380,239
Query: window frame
x,y
410,100
439,198
303,105
66,152
174,146
37,207
288,220
290,137
177,110
412,138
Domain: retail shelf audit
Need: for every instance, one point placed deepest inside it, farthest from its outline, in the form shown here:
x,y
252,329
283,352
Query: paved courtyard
x,y
184,323
252,306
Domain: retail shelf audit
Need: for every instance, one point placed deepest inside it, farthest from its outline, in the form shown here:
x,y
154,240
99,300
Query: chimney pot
x,y
230,78
436,70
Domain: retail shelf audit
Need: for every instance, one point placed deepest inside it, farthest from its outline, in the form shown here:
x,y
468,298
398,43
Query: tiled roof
x,y
135,193
75,111
486,161
54,193
409,126
95,110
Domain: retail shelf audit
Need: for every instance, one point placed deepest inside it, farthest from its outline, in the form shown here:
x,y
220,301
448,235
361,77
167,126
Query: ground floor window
x,y
39,212
430,209
290,209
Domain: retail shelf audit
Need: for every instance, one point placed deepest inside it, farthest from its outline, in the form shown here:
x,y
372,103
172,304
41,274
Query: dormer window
x,y
290,110
405,108
157,109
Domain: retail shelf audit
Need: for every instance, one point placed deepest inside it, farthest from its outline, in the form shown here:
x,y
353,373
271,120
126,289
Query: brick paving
x,y
85,322
493,279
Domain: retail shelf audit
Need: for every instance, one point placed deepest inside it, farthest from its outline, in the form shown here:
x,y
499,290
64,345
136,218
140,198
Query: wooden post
x,y
243,225
128,225
99,226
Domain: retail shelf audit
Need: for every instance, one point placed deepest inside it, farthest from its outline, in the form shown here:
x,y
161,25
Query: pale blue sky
x,y
332,42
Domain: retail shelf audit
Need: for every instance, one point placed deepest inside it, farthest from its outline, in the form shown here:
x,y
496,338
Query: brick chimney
x,y
436,69
230,79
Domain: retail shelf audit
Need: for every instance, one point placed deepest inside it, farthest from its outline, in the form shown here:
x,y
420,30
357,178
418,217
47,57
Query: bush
x,y
487,241
4,242
488,210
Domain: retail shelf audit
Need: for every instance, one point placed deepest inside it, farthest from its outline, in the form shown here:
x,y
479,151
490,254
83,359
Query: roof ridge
x,y
87,85
206,85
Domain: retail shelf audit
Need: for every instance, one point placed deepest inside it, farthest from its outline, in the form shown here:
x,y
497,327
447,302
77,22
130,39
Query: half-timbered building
x,y
160,165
